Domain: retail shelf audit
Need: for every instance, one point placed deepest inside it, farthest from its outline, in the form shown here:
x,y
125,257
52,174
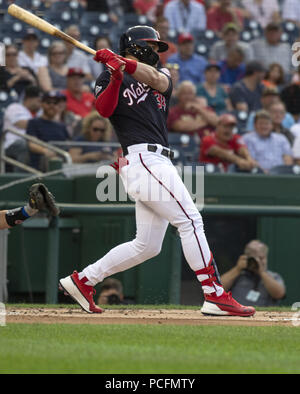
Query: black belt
x,y
153,148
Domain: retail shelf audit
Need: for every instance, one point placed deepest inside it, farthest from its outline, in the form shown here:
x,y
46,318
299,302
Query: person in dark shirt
x,y
46,129
245,94
250,280
233,68
14,77
95,128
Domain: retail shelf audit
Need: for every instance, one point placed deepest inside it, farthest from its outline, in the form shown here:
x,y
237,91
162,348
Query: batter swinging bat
x,y
35,21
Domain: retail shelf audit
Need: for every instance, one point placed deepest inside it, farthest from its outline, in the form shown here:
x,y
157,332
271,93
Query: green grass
x,y
142,349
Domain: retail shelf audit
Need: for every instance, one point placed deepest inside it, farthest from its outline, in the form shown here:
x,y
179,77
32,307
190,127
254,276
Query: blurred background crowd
x,y
234,65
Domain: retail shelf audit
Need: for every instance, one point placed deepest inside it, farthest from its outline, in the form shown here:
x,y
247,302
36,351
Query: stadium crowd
x,y
236,86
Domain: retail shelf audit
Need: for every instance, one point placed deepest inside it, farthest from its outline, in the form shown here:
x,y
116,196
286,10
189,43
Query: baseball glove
x,y
40,198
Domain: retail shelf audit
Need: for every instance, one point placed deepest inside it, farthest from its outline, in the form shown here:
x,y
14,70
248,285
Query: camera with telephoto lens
x,y
113,299
252,264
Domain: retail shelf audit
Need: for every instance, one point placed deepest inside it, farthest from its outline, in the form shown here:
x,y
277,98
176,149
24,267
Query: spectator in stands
x,y
290,95
278,114
245,95
31,58
111,292
233,68
191,65
191,115
291,11
212,90
57,68
162,26
185,16
174,72
263,11
230,39
274,77
78,101
46,129
268,98
97,68
146,7
224,148
296,150
95,128
270,49
68,118
250,280
221,14
14,77
75,57
267,148
16,117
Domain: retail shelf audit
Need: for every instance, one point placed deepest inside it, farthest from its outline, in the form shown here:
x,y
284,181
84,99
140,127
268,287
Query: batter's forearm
x,y
146,74
150,76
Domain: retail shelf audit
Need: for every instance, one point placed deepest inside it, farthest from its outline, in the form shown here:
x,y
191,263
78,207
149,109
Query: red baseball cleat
x,y
80,292
225,305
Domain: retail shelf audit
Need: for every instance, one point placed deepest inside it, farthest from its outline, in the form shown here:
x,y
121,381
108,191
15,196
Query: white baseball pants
x,y
161,198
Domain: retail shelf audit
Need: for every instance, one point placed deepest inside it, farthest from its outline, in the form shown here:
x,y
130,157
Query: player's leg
x,y
150,233
151,230
176,205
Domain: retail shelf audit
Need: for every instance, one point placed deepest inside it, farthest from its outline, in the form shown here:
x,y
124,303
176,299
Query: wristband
x,y
130,65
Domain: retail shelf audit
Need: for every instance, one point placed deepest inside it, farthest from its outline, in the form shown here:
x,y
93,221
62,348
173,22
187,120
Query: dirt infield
x,y
134,316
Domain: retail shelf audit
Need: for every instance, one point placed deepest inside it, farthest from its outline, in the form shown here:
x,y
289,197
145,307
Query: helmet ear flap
x,y
123,44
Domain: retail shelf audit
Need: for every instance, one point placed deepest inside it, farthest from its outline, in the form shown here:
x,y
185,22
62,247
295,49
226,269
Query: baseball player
x,y
40,199
134,94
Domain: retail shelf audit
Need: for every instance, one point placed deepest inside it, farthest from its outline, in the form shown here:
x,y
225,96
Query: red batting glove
x,y
104,55
116,67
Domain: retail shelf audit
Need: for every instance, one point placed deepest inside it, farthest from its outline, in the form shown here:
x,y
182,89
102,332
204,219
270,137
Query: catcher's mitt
x,y
40,198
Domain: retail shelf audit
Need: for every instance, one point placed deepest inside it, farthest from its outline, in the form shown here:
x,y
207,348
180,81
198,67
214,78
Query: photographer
x,y
111,292
250,281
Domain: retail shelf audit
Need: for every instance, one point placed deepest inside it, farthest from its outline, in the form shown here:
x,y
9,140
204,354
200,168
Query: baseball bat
x,y
39,23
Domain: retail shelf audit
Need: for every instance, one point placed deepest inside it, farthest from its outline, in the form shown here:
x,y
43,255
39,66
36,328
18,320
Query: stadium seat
x,y
72,6
285,170
204,41
133,19
64,18
90,18
32,5
3,6
246,36
186,145
291,30
242,119
201,48
210,168
254,28
232,168
173,36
